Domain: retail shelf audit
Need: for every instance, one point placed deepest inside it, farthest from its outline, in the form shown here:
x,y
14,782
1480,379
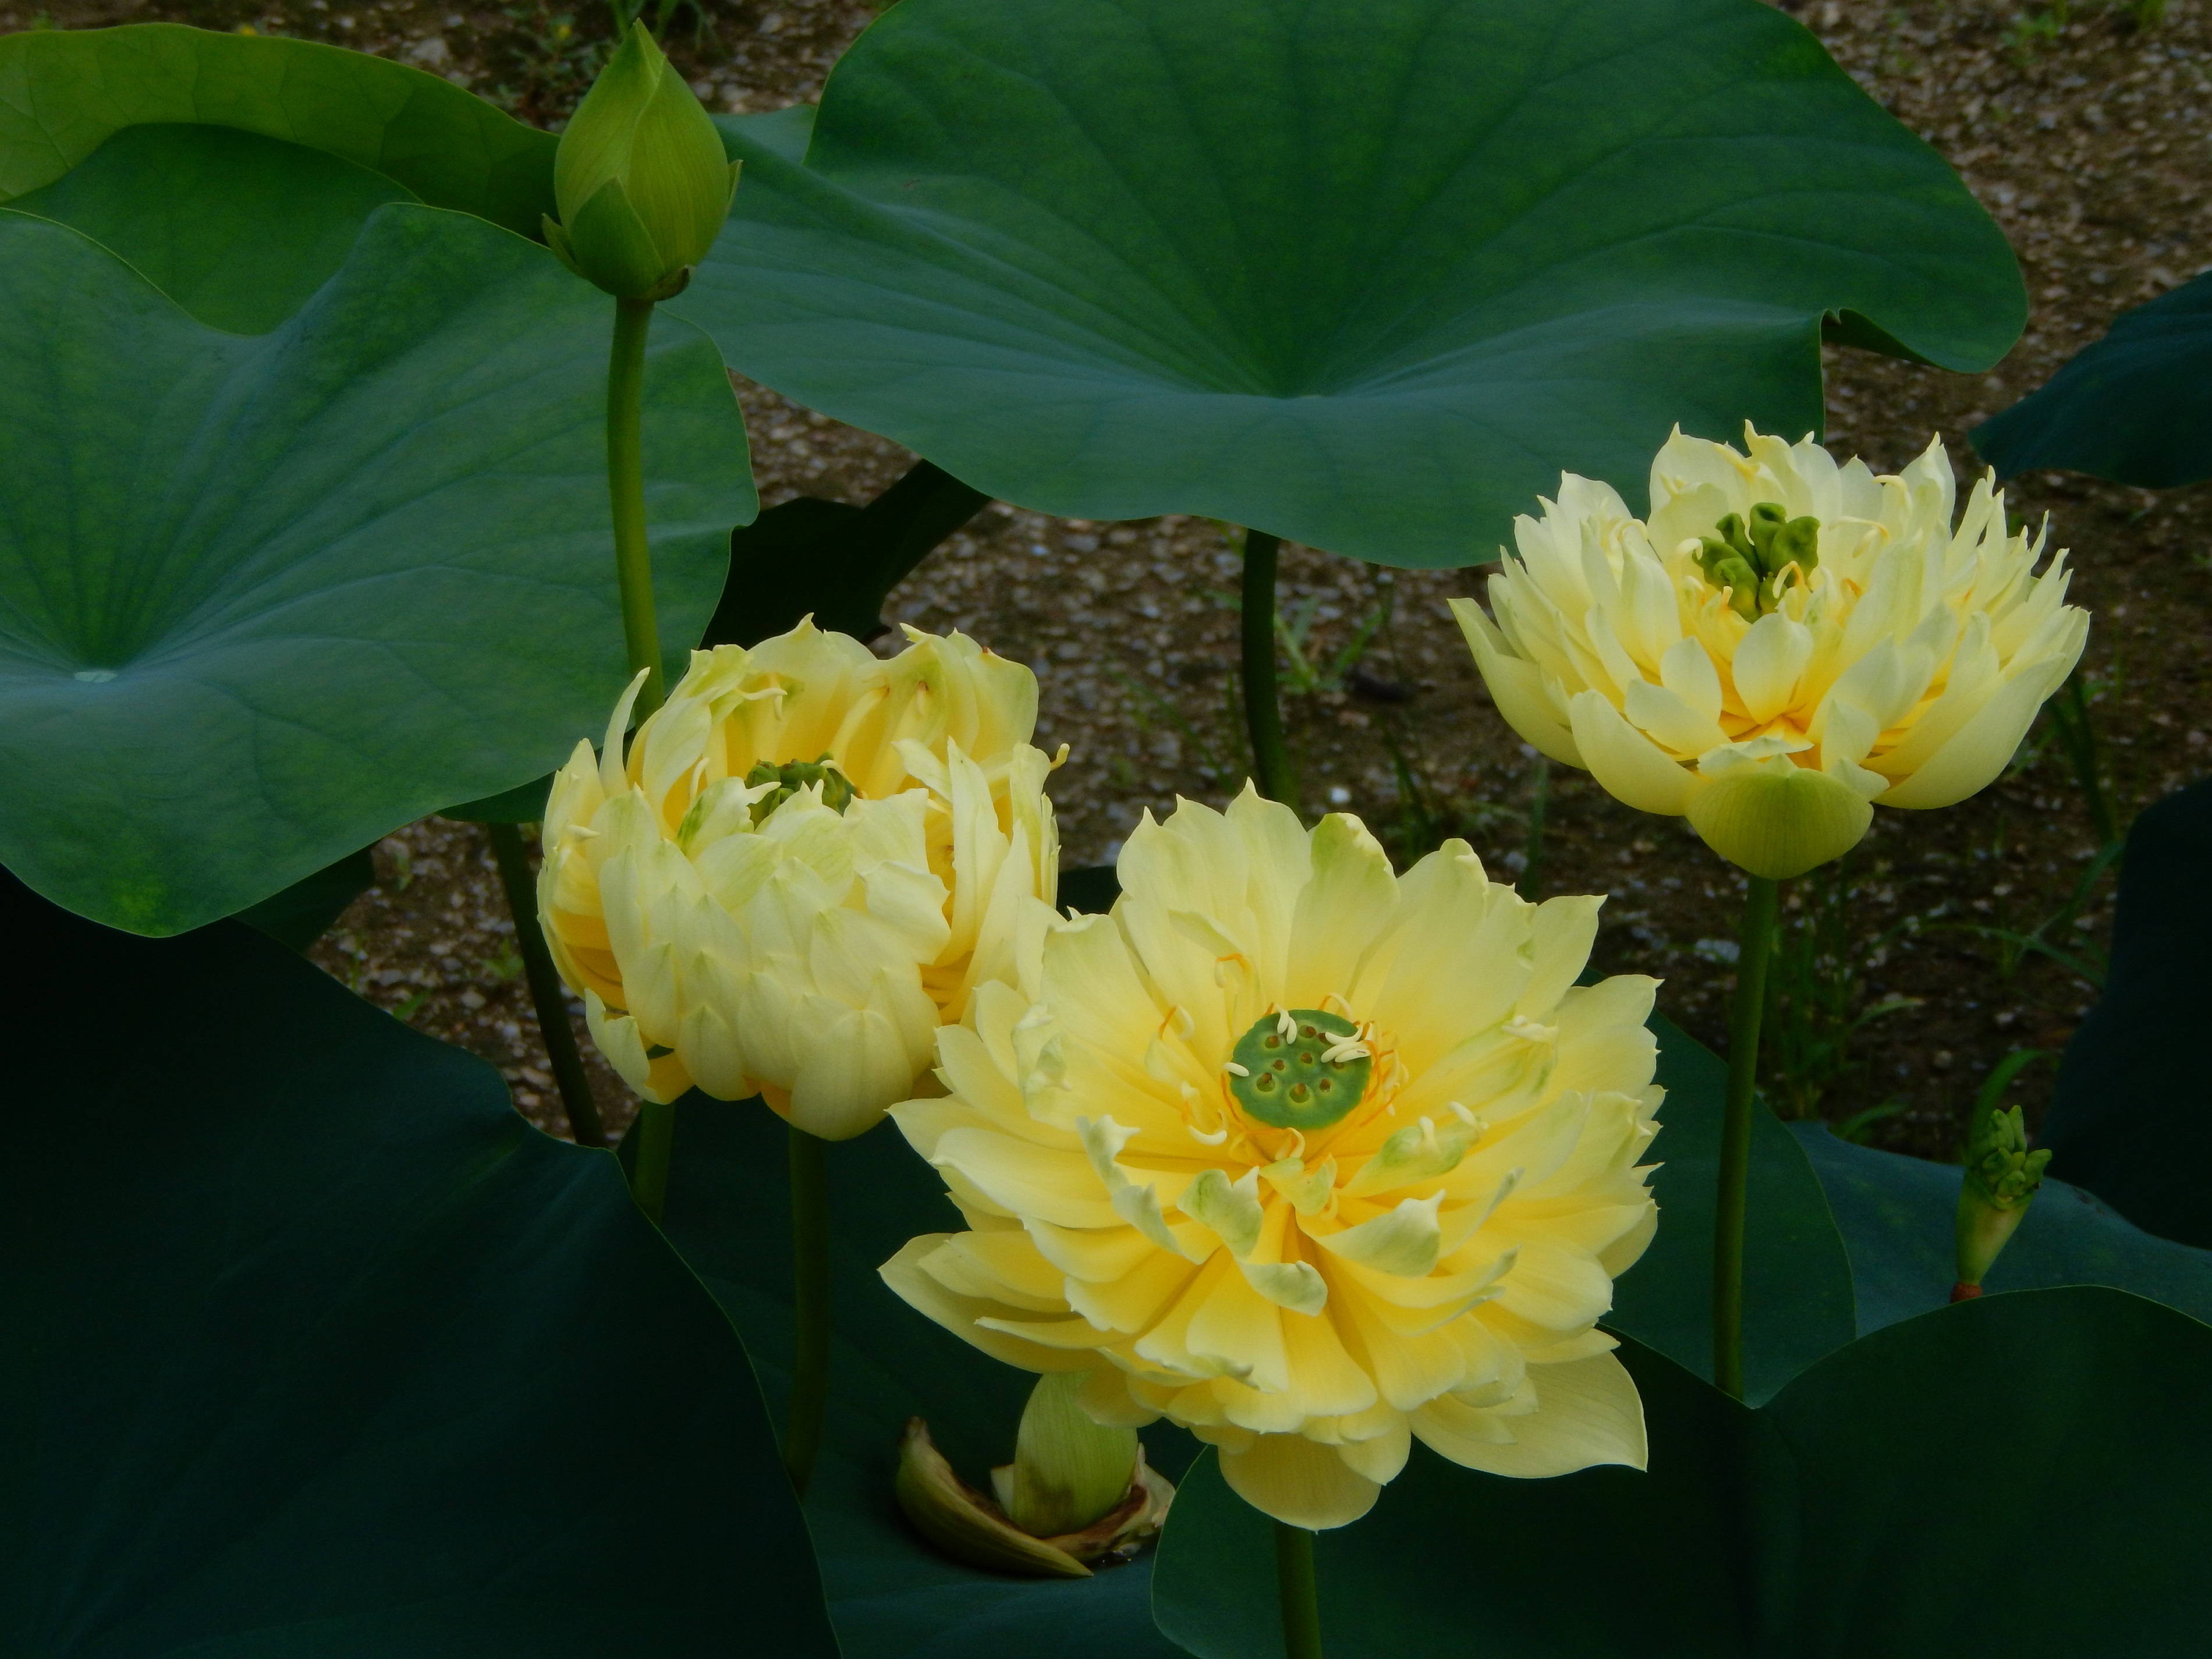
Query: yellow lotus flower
x,y
806,860
1309,1156
1784,643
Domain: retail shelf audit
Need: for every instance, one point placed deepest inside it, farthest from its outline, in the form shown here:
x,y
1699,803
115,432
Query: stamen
x,y
1232,1066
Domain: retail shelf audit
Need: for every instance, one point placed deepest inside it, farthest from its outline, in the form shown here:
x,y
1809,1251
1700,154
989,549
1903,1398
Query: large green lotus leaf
x,y
236,228
2135,407
2134,1092
1886,1501
1797,1280
2035,1462
1896,1214
264,599
67,91
835,561
313,1347
1366,273
1595,1565
890,1595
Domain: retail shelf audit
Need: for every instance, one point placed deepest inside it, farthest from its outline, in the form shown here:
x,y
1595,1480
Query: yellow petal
x,y
961,1314
1584,1413
1627,765
1516,686
1299,1482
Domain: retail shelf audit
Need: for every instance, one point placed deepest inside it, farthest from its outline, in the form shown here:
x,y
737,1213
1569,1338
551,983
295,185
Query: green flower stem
x,y
1540,799
626,492
1756,948
1263,711
1294,1579
648,1177
544,981
810,1284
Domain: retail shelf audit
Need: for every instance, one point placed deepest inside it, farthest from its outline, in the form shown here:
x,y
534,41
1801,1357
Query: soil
x,y
2088,134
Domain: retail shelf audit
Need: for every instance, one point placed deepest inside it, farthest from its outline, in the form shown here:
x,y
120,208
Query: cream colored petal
x,y
1975,755
1349,899
1380,1457
1687,671
1562,931
858,1067
1242,1331
1453,960
1299,1482
1669,721
961,1314
1401,1242
1587,1413
1628,765
1060,1188
1516,686
1770,664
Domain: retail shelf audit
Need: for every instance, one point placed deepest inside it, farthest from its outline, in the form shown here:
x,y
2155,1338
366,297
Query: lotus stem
x,y
1263,711
544,981
626,494
1301,1593
1755,949
810,1284
648,1178
1540,799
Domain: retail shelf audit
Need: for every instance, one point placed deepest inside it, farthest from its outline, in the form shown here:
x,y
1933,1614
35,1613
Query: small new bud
x,y
1058,1473
2000,1178
640,178
1067,1470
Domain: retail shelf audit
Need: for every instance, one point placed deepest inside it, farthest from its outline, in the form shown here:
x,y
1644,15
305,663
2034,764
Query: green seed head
x,y
1748,559
793,776
1286,1082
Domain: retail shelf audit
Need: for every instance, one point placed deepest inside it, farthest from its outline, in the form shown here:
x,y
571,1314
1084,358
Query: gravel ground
x,y
2085,135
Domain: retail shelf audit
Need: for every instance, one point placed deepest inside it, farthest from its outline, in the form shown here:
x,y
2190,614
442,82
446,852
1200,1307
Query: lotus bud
x,y
2001,1177
1067,1470
970,1527
640,178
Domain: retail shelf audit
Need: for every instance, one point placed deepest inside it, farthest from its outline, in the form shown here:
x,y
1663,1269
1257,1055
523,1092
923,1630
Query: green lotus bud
x,y
640,178
1076,1491
1067,1470
2002,1176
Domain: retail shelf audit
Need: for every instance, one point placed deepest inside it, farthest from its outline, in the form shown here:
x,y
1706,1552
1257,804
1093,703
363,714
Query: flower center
x,y
1750,559
1299,1069
793,776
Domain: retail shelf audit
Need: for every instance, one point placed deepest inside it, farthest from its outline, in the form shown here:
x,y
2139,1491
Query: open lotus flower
x,y
806,858
1306,1156
1784,644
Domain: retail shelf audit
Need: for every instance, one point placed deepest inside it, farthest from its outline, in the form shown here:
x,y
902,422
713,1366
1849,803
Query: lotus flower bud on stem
x,y
1067,1470
1076,1493
639,176
2001,1180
